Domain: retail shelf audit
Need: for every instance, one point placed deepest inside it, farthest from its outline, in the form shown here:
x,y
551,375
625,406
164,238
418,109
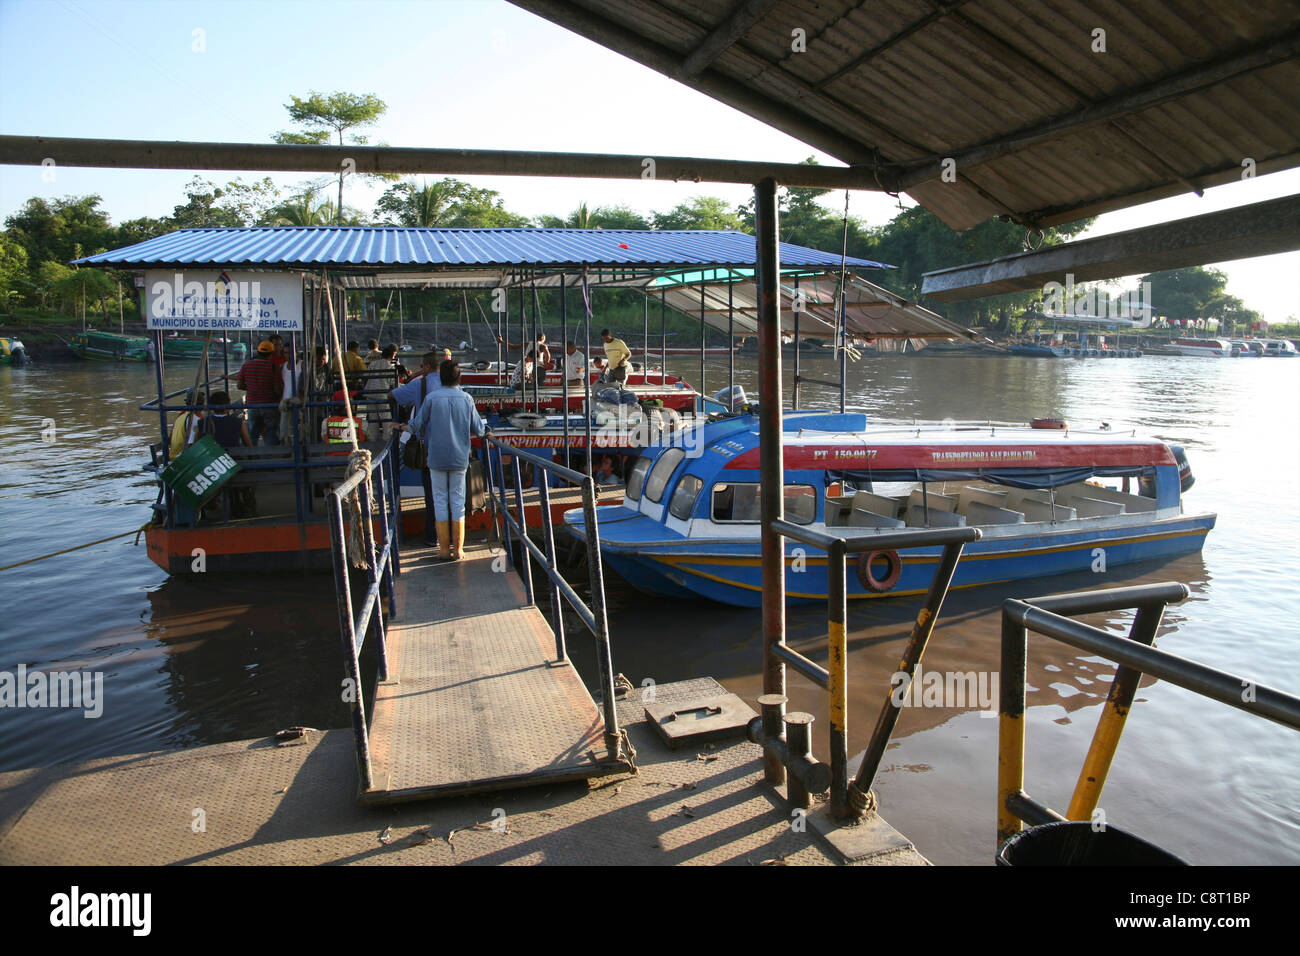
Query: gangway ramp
x,y
474,700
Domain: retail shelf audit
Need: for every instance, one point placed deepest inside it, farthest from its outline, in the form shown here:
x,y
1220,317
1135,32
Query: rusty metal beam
x,y
274,157
1259,229
938,13
743,16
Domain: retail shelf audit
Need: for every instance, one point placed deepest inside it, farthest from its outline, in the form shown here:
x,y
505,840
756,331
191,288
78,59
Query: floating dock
x,y
295,803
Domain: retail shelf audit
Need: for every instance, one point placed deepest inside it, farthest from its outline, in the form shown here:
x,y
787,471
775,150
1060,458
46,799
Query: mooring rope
x,y
358,461
89,544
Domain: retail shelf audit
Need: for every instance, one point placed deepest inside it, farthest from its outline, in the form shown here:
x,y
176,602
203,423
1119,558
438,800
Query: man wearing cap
x,y
260,380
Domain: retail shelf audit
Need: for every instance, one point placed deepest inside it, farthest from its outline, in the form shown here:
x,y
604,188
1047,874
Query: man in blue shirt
x,y
446,421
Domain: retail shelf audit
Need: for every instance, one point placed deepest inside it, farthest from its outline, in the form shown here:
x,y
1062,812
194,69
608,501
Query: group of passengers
x,y
573,364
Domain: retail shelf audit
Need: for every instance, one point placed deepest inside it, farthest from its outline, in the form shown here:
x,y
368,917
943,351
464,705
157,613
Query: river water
x,y
237,657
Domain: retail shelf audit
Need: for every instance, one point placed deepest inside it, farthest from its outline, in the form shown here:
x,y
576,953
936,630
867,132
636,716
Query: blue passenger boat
x,y
1048,499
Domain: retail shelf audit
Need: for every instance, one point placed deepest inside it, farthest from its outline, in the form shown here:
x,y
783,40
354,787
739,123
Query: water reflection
x,y
202,661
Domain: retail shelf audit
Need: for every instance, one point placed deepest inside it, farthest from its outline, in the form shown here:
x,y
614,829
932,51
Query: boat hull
x,y
730,572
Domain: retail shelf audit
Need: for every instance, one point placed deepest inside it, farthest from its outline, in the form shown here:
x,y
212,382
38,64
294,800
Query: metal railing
x,y
516,526
848,800
383,564
1134,657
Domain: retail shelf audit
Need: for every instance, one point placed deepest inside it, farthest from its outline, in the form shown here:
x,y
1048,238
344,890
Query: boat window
x,y
636,479
740,502
661,472
683,500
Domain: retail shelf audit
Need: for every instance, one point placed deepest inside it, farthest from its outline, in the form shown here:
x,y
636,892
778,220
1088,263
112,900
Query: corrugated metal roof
x,y
1044,124
495,250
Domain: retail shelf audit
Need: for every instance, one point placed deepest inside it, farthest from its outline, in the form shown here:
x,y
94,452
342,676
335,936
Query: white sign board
x,y
201,300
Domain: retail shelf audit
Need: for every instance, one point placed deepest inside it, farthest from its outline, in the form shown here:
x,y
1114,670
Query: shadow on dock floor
x,y
296,804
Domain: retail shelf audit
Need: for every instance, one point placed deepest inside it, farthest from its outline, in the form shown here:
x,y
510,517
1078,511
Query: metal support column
x,y
663,336
772,470
843,318
798,308
731,339
700,388
564,356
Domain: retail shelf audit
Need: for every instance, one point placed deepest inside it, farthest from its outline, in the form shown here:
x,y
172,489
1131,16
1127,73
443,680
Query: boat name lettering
x,y
845,453
987,454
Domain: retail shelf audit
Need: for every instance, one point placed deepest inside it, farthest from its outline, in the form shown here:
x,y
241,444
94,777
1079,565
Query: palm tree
x,y
581,218
304,210
431,203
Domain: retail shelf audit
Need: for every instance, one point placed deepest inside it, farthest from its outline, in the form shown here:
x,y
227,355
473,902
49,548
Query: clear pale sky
x,y
469,74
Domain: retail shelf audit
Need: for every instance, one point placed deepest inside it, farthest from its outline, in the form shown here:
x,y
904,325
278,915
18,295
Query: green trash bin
x,y
1076,843
200,472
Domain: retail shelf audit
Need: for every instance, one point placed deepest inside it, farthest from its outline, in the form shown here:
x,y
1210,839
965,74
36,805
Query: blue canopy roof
x,y
392,248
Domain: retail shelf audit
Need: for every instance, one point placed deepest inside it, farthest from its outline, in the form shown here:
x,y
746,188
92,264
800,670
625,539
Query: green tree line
x,y
44,235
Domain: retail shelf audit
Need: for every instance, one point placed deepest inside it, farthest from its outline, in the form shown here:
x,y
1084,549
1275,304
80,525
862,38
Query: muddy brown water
x,y
189,662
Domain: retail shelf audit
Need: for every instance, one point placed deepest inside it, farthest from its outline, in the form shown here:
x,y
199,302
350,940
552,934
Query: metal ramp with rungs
x,y
473,701
475,690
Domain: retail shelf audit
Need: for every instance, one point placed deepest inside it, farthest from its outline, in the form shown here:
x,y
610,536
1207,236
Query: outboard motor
x,y
17,354
1185,477
732,397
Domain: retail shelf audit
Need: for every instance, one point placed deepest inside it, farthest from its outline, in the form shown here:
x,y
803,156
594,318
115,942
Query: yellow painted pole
x,y
1011,726
1110,725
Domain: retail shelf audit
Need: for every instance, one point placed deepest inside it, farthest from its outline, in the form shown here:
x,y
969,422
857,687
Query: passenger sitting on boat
x,y
523,373
605,474
390,356
258,377
445,421
540,348
226,425
575,364
352,362
617,355
372,353
185,428
338,429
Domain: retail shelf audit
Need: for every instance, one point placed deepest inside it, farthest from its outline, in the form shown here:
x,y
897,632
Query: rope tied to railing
x,y
358,461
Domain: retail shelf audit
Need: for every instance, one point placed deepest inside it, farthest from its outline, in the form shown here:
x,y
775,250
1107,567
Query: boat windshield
x,y
683,500
662,471
637,478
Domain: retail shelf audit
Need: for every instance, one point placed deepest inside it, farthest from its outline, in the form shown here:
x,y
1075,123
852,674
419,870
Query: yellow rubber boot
x,y
444,540
457,540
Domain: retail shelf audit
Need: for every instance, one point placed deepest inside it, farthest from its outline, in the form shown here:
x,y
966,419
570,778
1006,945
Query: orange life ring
x,y
868,578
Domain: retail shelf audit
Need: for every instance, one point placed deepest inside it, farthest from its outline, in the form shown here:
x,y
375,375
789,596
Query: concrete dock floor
x,y
256,802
